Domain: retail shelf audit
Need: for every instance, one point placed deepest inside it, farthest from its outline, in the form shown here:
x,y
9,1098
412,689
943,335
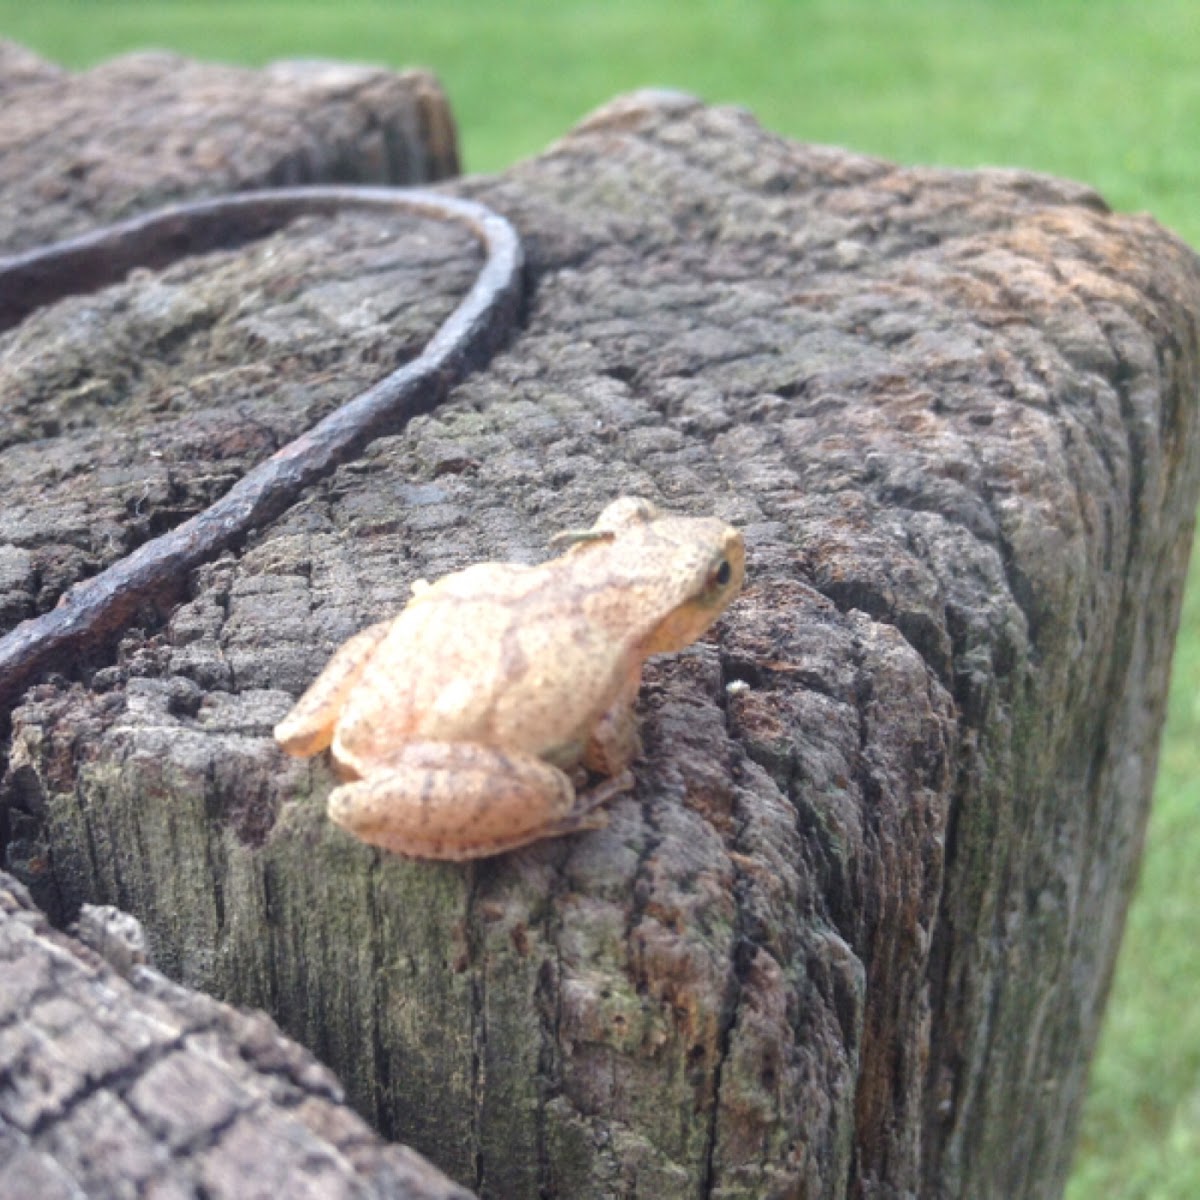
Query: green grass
x,y
1107,91
1141,1134
1104,91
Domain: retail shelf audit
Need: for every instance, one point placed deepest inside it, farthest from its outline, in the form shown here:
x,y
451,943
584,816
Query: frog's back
x,y
487,655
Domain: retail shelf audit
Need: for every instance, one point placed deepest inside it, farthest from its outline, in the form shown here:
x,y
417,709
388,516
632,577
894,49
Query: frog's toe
x,y
579,823
602,793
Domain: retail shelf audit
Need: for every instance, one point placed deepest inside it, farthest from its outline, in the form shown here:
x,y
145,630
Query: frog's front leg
x,y
308,728
458,800
614,742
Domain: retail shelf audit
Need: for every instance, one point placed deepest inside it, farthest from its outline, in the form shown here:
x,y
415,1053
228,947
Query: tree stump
x,y
79,149
123,1083
852,933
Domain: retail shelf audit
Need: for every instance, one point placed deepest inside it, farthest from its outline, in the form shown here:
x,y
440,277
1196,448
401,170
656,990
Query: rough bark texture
x,y
121,1083
138,131
852,933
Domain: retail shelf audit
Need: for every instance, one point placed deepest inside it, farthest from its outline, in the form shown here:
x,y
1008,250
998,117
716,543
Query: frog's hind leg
x,y
458,801
308,728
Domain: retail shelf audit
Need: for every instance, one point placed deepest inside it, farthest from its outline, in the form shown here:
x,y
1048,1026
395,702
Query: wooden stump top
x,y
77,149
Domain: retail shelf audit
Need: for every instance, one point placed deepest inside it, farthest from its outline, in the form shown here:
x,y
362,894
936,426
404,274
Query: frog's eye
x,y
721,575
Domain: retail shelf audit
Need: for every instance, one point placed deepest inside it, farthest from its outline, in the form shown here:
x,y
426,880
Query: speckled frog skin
x,y
461,725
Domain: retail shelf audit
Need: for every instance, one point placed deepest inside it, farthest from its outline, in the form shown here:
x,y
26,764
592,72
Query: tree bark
x,y
852,933
144,129
121,1083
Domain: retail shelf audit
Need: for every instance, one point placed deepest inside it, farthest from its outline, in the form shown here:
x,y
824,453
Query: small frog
x,y
465,724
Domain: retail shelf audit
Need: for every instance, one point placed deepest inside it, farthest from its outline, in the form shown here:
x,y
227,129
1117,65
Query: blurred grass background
x,y
1106,91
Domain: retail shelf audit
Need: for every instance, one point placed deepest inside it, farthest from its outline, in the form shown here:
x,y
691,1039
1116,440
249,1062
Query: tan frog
x,y
463,723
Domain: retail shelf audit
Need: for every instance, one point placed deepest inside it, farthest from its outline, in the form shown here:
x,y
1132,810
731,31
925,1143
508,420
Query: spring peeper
x,y
463,725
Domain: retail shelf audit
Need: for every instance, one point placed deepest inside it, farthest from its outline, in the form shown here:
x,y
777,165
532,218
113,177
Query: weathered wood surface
x,y
367,294
852,933
121,1083
138,131
144,1087
370,297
